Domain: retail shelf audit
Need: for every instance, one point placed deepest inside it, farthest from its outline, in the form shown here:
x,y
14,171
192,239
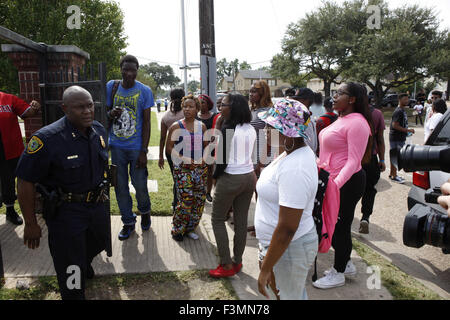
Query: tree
x,y
163,75
288,70
406,49
147,80
322,42
193,86
101,33
228,69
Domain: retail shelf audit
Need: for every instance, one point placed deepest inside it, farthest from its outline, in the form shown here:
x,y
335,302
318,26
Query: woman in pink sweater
x,y
344,145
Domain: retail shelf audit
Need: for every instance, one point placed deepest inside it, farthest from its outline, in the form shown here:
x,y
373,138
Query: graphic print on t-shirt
x,y
125,126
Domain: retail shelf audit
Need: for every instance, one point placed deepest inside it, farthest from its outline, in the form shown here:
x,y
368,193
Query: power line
x,y
162,62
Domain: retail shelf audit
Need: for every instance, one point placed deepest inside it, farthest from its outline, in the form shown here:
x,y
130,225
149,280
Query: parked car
x,y
391,100
422,181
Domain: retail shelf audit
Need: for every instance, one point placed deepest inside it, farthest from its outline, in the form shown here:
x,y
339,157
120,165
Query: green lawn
x,y
162,200
387,113
155,133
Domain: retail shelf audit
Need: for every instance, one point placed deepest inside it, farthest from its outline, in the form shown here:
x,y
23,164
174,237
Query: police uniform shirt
x,y
58,155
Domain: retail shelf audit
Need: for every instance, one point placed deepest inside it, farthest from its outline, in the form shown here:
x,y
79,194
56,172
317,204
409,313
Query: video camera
x,y
423,224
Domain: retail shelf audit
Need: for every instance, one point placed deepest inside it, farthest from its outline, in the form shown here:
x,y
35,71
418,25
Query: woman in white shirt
x,y
286,189
235,182
439,108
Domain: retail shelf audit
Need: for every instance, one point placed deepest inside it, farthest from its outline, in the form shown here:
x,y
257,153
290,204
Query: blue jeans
x,y
125,159
292,268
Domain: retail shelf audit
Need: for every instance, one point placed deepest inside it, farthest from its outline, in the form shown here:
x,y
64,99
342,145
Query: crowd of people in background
x,y
251,147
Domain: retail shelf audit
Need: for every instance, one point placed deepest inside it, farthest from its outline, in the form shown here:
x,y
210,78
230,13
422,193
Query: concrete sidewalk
x,y
246,282
143,252
155,250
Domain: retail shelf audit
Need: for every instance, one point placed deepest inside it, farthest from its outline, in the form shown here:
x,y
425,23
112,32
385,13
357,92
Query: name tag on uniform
x,y
72,157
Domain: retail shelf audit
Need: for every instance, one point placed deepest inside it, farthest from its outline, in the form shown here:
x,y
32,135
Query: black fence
x,y
53,84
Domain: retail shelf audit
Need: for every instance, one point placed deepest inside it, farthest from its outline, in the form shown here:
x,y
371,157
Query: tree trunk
x,y
448,89
327,88
378,94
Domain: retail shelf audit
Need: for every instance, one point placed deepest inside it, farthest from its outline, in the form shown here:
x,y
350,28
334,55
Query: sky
x,y
249,30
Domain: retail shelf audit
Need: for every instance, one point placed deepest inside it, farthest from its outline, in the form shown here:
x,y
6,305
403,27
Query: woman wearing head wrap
x,y
207,117
288,241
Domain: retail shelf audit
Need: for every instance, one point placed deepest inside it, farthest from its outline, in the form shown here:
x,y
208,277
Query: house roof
x,y
255,74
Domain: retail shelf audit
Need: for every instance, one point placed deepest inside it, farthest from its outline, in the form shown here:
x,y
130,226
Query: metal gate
x,y
53,84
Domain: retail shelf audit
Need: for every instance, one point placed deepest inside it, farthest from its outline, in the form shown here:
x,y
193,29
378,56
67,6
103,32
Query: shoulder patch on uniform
x,y
34,145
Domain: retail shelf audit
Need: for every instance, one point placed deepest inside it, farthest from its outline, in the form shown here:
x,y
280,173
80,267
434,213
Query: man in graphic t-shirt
x,y
129,136
398,132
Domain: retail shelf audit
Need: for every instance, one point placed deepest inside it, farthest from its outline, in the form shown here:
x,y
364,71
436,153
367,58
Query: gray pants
x,y
236,191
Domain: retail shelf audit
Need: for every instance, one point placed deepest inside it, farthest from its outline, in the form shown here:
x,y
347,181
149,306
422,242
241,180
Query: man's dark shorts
x,y
396,144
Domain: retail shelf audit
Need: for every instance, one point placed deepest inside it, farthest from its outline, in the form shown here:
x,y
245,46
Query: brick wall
x,y
27,64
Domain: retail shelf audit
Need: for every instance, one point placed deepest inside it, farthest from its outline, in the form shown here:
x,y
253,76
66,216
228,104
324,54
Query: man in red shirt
x,y
11,147
328,118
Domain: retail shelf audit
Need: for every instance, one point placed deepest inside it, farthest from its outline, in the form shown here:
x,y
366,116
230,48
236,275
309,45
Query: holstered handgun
x,y
51,201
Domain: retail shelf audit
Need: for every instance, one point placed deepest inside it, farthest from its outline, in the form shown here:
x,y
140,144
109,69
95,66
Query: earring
x,y
291,148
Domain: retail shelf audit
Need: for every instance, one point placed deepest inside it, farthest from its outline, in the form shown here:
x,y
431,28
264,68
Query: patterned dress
x,y
190,182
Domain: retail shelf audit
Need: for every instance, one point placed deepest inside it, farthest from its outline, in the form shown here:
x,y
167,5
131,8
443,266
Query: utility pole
x,y
183,33
207,49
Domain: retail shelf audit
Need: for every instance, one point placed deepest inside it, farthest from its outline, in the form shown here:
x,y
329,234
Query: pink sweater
x,y
342,147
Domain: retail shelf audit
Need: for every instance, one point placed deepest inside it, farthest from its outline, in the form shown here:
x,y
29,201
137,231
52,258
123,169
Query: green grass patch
x,y
398,283
388,112
162,200
155,134
41,289
195,284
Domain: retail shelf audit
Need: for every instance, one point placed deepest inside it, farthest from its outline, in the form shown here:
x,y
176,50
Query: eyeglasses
x,y
341,93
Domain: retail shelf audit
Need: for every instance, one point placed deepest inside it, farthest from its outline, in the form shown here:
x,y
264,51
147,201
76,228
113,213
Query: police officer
x,y
66,162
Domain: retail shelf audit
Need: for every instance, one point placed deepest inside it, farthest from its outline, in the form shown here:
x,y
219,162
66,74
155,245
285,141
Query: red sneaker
x,y
220,272
237,267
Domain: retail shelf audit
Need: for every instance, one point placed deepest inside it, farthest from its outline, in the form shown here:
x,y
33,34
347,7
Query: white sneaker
x,y
350,269
193,236
333,279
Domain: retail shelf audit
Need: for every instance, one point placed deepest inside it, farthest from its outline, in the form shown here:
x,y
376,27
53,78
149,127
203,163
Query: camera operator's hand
x,y
444,200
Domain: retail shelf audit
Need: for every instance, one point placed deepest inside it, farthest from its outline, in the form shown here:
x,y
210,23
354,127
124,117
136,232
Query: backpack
x,y
325,213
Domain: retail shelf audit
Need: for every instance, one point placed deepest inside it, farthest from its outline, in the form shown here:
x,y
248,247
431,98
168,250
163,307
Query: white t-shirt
x,y
431,124
289,181
418,108
242,144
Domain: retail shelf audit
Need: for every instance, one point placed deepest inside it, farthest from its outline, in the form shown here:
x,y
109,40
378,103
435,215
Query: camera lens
x,y
437,231
424,225
422,158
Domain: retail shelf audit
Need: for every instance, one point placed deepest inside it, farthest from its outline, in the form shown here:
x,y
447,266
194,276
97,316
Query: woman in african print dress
x,y
185,144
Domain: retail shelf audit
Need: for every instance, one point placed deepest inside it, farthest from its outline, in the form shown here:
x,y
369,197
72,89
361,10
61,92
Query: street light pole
x,y
208,67
183,33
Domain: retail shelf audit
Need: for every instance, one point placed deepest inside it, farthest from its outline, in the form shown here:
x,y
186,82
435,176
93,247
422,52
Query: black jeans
x,y
7,178
175,200
420,118
373,172
350,193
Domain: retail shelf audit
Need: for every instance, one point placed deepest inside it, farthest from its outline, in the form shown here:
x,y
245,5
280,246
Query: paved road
x,y
428,264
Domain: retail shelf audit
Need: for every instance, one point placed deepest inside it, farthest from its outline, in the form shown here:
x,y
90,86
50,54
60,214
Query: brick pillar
x,y
28,67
